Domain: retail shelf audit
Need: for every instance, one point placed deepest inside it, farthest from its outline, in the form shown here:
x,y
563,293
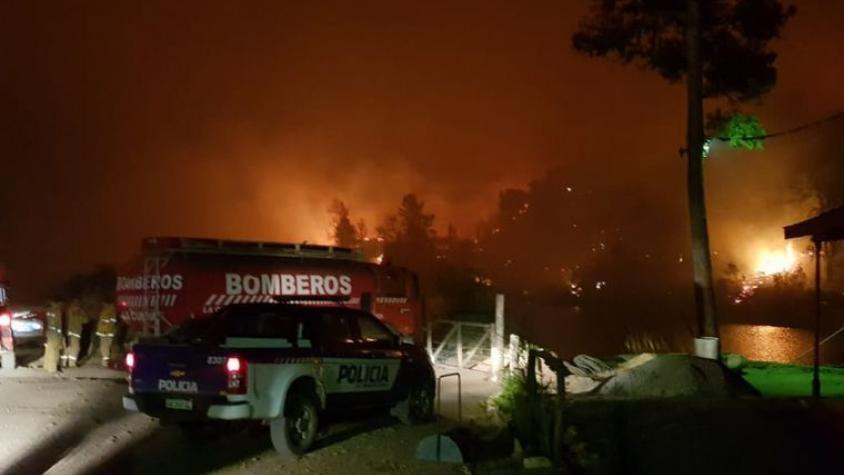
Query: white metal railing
x,y
464,345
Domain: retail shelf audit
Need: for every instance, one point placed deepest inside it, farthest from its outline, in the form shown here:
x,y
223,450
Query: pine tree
x,y
343,232
721,48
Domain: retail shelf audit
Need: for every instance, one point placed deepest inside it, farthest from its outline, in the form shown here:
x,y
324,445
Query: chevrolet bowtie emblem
x,y
177,373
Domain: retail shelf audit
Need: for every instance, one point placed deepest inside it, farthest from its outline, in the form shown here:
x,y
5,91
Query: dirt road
x,y
75,424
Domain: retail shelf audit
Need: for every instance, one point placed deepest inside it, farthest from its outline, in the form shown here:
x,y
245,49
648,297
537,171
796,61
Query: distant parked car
x,y
27,328
7,344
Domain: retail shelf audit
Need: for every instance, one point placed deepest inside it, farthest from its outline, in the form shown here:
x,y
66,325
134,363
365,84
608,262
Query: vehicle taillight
x,y
235,375
130,361
5,319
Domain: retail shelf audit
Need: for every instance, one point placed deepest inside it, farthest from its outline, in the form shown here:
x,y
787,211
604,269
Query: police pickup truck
x,y
279,362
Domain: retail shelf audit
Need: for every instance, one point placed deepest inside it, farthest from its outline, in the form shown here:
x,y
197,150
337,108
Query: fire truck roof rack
x,y
293,299
258,248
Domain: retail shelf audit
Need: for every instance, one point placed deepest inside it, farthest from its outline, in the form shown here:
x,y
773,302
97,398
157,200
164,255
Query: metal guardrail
x,y
459,394
467,345
439,405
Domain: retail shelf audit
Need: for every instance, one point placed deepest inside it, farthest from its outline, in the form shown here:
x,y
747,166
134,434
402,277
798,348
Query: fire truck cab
x,y
179,278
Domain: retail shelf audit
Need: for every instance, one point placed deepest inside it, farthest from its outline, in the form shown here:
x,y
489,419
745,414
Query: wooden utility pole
x,y
704,289
816,373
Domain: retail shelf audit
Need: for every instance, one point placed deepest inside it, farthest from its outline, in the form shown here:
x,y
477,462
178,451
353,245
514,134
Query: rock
x,y
574,370
591,365
532,463
637,360
677,376
580,384
733,361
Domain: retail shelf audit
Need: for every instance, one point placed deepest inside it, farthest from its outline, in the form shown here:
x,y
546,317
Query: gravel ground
x,y
74,423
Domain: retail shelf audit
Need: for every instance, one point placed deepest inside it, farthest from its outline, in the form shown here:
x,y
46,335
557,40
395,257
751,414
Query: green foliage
x,y
513,389
745,131
514,405
740,131
533,421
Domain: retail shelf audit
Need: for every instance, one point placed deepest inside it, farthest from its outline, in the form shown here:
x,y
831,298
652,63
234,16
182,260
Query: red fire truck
x,y
179,278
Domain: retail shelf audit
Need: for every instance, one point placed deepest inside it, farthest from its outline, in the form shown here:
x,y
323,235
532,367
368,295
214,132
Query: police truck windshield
x,y
238,321
191,331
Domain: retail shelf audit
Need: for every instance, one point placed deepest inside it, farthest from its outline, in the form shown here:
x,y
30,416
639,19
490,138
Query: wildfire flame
x,y
777,261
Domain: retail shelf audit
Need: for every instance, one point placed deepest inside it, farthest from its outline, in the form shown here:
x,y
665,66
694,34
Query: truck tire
x,y
294,433
418,406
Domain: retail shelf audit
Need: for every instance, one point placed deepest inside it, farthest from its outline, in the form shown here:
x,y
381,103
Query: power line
x,y
793,130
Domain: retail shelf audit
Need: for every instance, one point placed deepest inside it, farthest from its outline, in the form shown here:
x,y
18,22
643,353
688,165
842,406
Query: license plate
x,y
180,404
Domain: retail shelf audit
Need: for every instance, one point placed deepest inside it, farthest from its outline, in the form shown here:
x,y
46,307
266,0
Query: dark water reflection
x,y
767,343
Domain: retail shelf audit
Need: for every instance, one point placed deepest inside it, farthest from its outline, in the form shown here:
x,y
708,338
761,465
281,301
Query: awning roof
x,y
828,226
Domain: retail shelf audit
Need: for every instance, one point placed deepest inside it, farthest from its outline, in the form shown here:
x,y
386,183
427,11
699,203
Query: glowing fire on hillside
x,y
770,265
779,261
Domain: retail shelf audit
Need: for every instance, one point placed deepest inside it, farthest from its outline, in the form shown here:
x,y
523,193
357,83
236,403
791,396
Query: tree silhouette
x,y
409,236
343,232
721,48
416,225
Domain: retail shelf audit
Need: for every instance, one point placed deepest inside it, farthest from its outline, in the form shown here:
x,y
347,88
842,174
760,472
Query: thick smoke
x,y
245,123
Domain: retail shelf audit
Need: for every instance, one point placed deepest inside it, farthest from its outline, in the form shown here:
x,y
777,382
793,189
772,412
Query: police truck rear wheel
x,y
293,434
420,403
418,407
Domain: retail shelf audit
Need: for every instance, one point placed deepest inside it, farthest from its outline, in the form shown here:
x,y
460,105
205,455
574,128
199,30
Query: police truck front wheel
x,y
295,432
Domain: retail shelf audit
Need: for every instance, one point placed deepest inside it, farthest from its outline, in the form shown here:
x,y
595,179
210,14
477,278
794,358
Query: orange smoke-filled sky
x,y
244,120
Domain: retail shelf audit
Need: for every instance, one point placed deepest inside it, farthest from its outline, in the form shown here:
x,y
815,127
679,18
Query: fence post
x,y
430,342
494,357
558,416
513,351
531,394
459,345
497,350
